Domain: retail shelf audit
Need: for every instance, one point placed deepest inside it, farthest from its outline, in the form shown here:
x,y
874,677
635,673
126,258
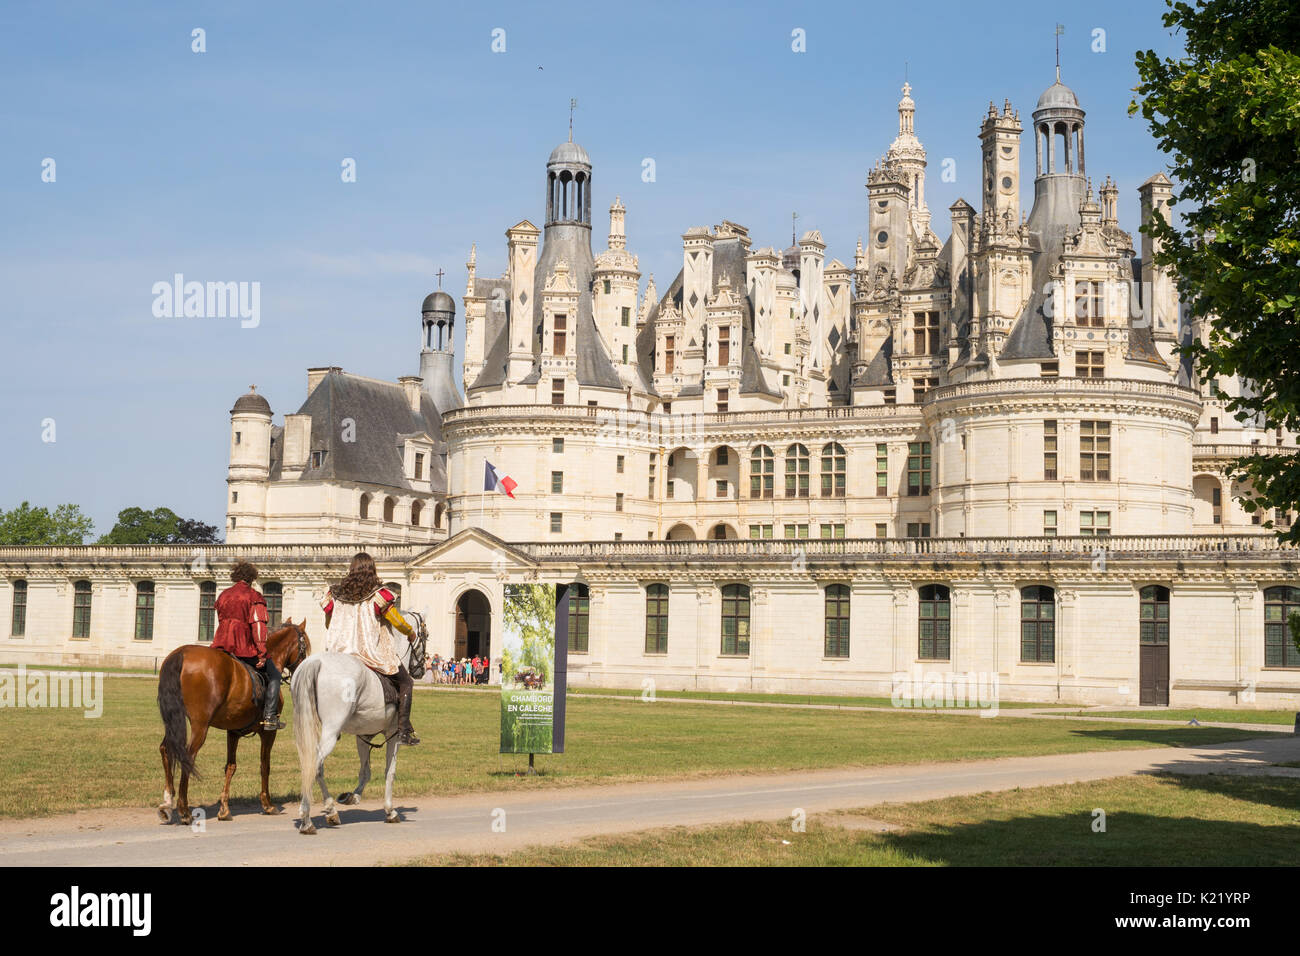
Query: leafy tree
x,y
1228,113
37,526
160,526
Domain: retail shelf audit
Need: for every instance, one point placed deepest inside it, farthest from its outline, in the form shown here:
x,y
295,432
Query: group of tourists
x,y
464,670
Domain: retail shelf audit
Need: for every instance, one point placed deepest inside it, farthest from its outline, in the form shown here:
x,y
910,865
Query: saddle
x,y
388,682
258,679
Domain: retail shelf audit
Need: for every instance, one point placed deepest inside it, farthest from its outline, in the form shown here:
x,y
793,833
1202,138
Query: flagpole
x,y
482,489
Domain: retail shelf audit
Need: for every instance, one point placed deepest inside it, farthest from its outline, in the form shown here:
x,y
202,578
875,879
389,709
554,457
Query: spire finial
x,y
794,218
573,105
440,274
1060,28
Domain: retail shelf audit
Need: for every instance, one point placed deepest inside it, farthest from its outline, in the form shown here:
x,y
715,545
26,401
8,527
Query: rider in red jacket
x,y
241,632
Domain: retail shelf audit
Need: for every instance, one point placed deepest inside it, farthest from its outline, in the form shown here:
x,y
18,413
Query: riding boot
x,y
406,693
271,703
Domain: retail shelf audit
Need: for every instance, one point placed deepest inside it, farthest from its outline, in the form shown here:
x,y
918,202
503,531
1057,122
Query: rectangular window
x,y
837,621
787,348
618,464
557,391
1094,524
1037,624
656,619
625,355
724,345
757,531
618,501
18,620
891,396
1090,364
560,324
918,529
670,344
735,620
1051,370
1214,425
650,480
922,387
1089,305
722,488
882,530
882,471
579,617
557,522
1049,451
670,489
81,609
832,531
1279,604
273,592
419,466
1094,451
606,287
234,497
1049,524
918,468
723,400
626,318
935,623
557,446
796,531
557,482
207,611
926,332
144,608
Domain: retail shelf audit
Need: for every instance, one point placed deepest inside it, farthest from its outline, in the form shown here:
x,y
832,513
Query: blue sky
x,y
225,166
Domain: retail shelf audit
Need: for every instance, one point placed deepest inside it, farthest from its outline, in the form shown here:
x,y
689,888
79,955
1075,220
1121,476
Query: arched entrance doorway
x,y
473,625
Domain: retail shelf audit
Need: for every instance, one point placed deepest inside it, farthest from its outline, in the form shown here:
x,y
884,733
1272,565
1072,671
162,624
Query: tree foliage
x,y
160,526
1228,114
37,526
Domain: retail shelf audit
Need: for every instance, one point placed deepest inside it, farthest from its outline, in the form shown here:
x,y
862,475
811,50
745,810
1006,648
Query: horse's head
x,y
299,646
418,645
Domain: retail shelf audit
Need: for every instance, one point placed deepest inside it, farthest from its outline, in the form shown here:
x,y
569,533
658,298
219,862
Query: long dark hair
x,y
361,581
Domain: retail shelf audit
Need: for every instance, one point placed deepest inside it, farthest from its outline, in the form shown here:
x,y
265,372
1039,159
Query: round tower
x,y
250,468
437,351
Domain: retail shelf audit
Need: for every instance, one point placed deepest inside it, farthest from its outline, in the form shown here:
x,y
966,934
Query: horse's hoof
x,y
186,819
223,814
165,814
308,830
392,817
332,819
349,799
272,810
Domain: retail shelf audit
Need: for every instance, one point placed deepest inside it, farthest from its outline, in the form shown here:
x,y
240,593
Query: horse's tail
x,y
306,720
171,705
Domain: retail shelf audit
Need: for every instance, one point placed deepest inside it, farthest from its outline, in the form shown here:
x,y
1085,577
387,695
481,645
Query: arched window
x,y
837,620
437,515
18,621
273,592
762,472
81,609
390,506
1279,604
656,619
416,508
833,470
207,610
719,532
365,506
796,471
144,605
735,620
1154,612
1038,624
935,622
579,617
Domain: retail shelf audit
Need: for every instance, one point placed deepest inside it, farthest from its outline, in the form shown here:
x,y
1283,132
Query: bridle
x,y
418,646
286,672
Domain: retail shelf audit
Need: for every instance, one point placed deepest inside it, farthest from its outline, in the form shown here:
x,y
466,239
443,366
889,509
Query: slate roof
x,y
382,419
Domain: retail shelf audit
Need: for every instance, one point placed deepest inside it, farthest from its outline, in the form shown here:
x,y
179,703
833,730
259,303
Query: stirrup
x,y
272,723
407,738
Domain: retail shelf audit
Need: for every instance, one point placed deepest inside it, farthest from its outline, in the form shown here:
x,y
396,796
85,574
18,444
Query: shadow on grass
x,y
1176,736
1131,837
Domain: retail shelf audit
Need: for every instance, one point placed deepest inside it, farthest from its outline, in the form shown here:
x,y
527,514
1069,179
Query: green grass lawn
x,y
833,700
1156,820
1212,714
56,760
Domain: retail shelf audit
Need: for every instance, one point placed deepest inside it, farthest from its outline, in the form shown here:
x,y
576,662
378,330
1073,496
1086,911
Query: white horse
x,y
335,694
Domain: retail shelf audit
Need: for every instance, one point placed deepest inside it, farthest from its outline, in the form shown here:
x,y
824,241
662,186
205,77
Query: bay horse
x,y
213,689
335,694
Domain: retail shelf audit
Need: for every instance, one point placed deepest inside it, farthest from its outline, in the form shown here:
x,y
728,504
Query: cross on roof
x,y
440,274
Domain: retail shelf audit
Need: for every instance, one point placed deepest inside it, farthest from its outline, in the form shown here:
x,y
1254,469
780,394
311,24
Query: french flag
x,y
492,481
